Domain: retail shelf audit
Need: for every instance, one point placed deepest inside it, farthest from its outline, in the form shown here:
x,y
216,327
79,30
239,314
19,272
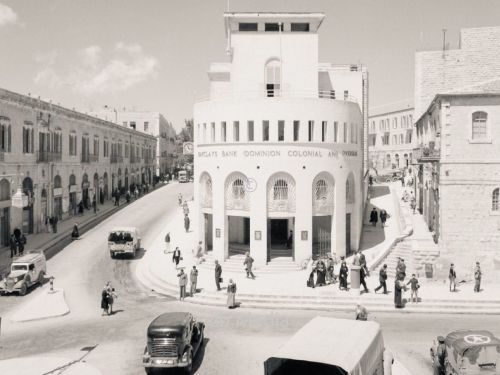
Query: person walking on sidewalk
x,y
399,287
112,296
186,222
383,217
75,233
194,280
104,301
382,279
343,273
176,256
362,278
453,278
13,245
248,263
401,269
182,284
413,204
218,275
477,278
167,243
185,208
414,288
94,204
374,216
231,294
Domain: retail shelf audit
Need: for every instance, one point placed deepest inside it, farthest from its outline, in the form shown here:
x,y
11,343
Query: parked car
x,y
174,339
470,352
388,176
348,347
25,272
124,240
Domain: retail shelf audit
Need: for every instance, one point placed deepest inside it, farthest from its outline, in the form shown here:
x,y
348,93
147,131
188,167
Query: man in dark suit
x,y
218,274
176,257
382,277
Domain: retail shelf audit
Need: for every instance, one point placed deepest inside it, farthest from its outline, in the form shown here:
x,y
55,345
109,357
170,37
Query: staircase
x,y
235,264
402,249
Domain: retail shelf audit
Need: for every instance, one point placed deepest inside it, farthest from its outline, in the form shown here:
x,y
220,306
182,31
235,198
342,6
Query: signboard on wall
x,y
58,192
72,188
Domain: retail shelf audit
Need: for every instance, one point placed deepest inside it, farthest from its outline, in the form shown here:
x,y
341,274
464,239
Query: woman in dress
x,y
104,301
321,272
231,294
344,271
398,293
75,233
111,299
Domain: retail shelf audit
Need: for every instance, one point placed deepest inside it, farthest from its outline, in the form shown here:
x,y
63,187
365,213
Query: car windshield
x,y
19,267
120,237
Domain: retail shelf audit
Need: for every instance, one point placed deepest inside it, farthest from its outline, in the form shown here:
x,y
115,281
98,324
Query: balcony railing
x,y
426,154
48,156
116,159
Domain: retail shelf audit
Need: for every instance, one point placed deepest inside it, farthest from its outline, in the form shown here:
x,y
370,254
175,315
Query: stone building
x,y
459,173
390,138
279,144
153,123
59,157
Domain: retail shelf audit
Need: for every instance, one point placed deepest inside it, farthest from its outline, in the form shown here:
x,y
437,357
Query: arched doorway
x,y
323,206
57,194
273,77
72,195
85,190
106,188
237,207
28,211
407,162
281,202
4,212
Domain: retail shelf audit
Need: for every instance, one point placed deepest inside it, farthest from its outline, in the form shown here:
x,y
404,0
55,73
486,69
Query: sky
x,y
153,55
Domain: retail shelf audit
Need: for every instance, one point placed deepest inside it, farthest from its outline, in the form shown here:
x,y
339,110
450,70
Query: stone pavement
x,y
46,240
289,290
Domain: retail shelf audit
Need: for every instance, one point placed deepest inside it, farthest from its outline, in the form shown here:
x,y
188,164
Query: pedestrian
x,y
452,275
167,243
414,288
186,222
477,278
383,217
401,269
343,273
361,313
440,357
127,196
382,279
13,245
374,216
182,284
402,181
356,259
399,287
193,277
218,275
248,262
330,278
94,204
179,197
176,257
20,244
289,241
413,204
370,180
320,274
199,253
362,278
47,224
55,219
231,294
313,278
75,233
104,301
185,208
112,296
362,261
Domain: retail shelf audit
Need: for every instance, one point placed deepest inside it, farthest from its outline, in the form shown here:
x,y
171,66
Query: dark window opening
x,y
245,26
273,27
304,27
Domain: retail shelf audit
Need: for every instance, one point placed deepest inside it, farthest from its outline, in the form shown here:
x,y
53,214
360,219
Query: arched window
x,y
280,190
397,160
273,77
479,125
321,190
28,138
4,190
494,199
57,181
5,134
238,189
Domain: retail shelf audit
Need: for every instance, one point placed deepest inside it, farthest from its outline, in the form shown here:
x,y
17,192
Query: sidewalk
x,y
44,305
45,240
289,290
40,365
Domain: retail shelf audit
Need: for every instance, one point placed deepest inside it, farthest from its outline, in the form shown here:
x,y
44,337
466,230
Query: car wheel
x,y
189,368
41,277
23,290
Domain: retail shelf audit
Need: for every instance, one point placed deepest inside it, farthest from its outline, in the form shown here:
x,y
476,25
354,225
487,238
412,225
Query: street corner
x,y
42,365
46,304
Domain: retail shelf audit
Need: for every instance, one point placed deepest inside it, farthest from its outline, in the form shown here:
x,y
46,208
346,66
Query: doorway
x,y
348,250
278,232
208,231
322,236
4,226
239,235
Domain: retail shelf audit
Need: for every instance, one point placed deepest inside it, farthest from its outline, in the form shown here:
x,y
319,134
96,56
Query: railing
x,y
424,153
48,156
116,159
278,93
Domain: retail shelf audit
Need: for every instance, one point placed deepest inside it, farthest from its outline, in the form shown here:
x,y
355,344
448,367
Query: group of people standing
x,y
375,215
17,241
108,297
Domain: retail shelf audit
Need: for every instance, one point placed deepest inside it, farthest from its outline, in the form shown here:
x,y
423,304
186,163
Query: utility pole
x,y
444,43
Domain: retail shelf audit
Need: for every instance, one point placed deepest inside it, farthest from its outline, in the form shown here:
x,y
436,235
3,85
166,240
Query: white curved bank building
x,y
279,144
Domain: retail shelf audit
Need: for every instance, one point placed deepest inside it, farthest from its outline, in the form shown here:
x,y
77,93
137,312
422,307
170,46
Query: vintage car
x,y
388,175
348,347
174,339
470,352
25,271
125,240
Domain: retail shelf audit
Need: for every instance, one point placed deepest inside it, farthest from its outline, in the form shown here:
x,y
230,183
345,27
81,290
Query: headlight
x,y
184,357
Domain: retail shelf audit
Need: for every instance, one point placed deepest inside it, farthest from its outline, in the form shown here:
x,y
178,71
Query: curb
x,y
27,305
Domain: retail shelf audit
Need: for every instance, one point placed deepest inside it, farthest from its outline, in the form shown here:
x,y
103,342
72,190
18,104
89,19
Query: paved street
x,y
84,266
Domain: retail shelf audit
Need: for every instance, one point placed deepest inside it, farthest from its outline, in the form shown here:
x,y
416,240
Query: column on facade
x,y
198,211
303,219
258,223
339,216
357,212
220,238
